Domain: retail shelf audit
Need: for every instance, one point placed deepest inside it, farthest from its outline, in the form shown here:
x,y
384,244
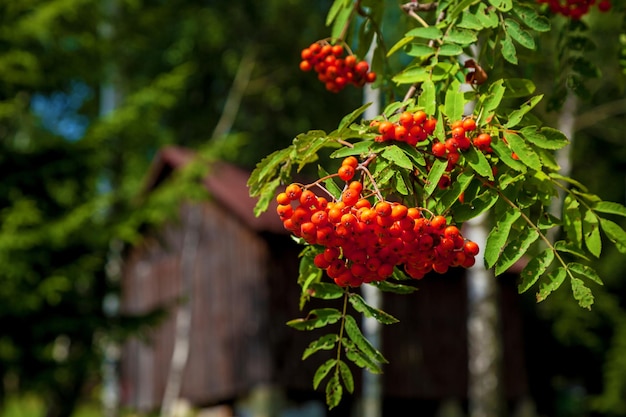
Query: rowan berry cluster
x,y
575,9
364,241
416,127
411,128
334,69
462,135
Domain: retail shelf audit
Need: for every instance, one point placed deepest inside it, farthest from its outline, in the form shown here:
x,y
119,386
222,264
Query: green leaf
x,y
399,45
322,371
557,176
412,75
581,293
450,49
534,269
325,291
492,102
460,36
610,207
508,49
451,196
535,136
503,152
341,20
553,281
478,162
393,287
326,342
515,249
516,115
316,318
525,153
502,5
615,233
461,7
265,170
346,376
359,304
569,247
436,172
353,116
359,358
335,9
454,105
519,34
354,333
420,50
359,148
531,18
396,155
400,184
497,238
427,98
487,16
555,137
430,32
591,233
267,193
475,207
584,271
518,87
572,224
470,21
334,392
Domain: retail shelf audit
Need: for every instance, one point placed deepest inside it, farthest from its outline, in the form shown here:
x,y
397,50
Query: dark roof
x,y
226,183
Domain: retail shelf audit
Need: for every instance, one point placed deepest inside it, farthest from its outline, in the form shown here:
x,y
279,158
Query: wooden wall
x,y
228,351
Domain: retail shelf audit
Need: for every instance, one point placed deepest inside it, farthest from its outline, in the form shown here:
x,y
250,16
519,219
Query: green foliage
x,y
515,180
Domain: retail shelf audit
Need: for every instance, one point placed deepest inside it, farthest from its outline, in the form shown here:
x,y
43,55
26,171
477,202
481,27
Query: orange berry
x,y
308,199
469,124
305,66
429,125
350,161
399,211
346,172
386,128
438,222
383,209
419,117
283,198
293,191
406,119
400,133
356,186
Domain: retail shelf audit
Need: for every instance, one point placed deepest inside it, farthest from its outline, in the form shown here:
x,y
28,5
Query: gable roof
x,y
226,183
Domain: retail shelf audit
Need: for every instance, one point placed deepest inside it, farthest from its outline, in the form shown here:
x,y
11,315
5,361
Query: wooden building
x,y
242,289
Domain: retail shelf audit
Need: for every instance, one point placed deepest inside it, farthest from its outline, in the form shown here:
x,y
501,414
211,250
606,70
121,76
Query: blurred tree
x,y
72,173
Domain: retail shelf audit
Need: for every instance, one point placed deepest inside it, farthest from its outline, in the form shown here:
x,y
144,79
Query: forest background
x,y
91,90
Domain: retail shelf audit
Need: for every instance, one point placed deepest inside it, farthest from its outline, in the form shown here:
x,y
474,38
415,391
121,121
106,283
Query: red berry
x,y
362,67
346,172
